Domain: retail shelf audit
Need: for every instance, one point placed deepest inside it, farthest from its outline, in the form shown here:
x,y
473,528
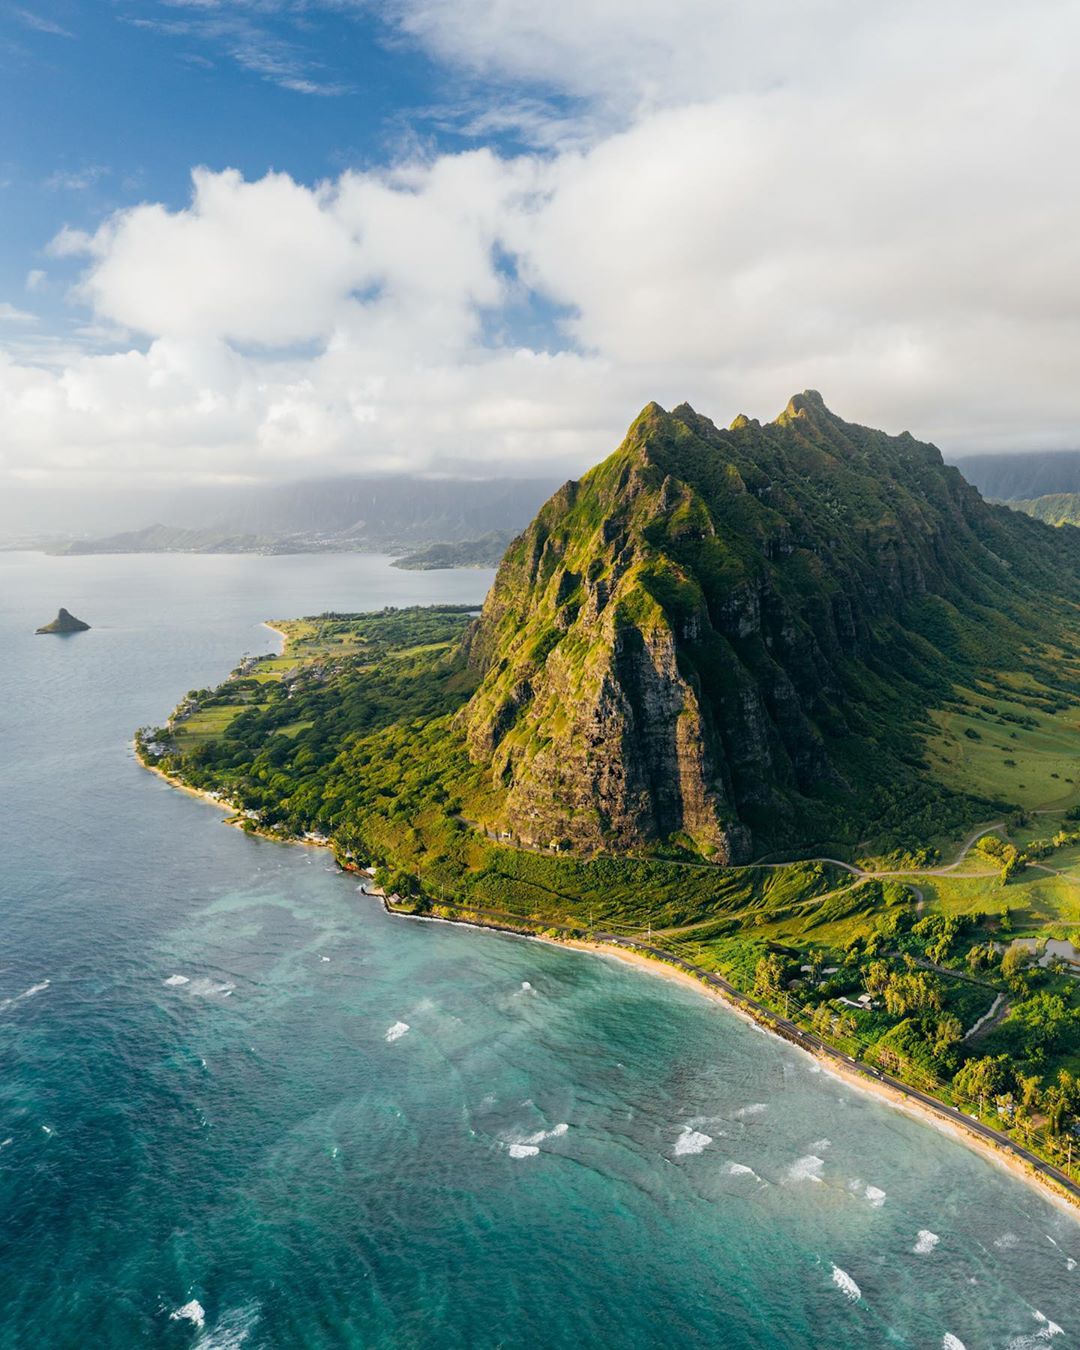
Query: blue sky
x,y
107,104
251,240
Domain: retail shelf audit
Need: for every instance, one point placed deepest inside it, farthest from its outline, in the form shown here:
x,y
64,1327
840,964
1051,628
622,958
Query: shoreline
x,y
880,1090
664,965
872,1087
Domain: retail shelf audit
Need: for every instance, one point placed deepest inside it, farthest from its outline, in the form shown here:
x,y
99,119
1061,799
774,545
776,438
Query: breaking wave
x,y
691,1141
529,1146
846,1284
26,993
174,981
192,1312
806,1169
925,1242
951,1342
396,1032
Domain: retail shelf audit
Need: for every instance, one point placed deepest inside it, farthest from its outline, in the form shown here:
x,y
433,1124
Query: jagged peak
x,y
809,405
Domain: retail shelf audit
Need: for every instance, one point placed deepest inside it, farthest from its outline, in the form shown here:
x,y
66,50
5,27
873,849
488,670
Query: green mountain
x,y
729,639
485,552
1056,508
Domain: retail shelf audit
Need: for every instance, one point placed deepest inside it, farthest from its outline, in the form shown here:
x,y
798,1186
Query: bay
x,y
240,1105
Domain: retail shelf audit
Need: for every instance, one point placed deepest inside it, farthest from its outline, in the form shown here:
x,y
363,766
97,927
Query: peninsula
x,y
789,706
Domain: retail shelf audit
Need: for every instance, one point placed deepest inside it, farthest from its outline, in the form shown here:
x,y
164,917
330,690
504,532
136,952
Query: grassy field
x,y
1010,749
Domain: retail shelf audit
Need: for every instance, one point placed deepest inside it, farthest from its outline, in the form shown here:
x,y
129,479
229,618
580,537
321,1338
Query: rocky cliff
x,y
721,638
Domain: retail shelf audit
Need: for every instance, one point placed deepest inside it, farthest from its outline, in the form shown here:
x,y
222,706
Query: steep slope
x,y
729,639
1056,508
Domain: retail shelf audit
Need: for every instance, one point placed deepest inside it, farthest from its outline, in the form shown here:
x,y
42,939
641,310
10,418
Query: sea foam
x,y
925,1242
806,1169
192,1312
846,1284
396,1032
875,1195
691,1141
529,1146
26,993
951,1342
175,981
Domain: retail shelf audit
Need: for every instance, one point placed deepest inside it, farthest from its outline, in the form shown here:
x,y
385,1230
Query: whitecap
x,y
754,1109
192,1312
7,1141
324,958
691,1141
925,1242
396,1032
529,1146
806,1169
846,1284
556,1132
1050,1329
526,988
48,1129
26,993
1006,1242
1070,1264
875,1195
951,1342
174,981
819,1145
207,988
741,1170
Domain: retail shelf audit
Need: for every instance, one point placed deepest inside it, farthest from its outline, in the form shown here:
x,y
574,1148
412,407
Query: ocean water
x,y
241,1106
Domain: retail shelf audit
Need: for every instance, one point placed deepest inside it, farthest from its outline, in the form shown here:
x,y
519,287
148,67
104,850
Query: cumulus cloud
x,y
871,200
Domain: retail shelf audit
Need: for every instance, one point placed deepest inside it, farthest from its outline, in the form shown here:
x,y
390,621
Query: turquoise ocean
x,y
241,1106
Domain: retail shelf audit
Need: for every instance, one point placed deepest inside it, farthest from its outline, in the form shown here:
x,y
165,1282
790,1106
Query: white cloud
x,y
870,200
40,23
9,314
35,279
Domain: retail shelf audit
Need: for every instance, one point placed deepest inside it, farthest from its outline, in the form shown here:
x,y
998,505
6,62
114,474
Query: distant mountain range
x,y
377,514
1022,476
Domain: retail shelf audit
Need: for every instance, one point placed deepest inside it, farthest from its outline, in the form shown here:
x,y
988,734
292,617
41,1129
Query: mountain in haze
x,y
390,514
729,639
485,552
1011,477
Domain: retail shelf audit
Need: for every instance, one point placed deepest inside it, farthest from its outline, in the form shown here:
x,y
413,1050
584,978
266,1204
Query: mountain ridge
x,y
682,642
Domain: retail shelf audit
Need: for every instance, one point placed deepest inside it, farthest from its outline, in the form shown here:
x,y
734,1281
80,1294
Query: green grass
x,y
1036,767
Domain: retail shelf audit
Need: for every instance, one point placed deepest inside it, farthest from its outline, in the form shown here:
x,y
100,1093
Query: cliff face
x,y
691,644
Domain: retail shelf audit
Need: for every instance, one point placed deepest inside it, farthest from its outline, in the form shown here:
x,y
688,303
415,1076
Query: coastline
x,y
939,1117
880,1091
899,1096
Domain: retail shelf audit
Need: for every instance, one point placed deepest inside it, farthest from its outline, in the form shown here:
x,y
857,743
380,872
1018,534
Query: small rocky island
x,y
64,623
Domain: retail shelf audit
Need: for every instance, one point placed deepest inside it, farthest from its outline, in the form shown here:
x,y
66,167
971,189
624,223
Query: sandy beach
x,y
1001,1156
